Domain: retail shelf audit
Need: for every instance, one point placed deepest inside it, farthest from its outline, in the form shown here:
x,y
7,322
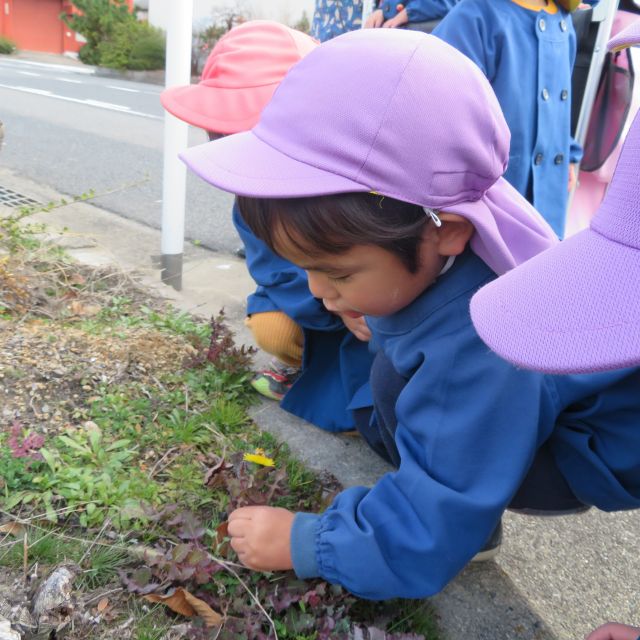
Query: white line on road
x,y
40,92
113,86
89,103
69,80
107,105
30,73
59,67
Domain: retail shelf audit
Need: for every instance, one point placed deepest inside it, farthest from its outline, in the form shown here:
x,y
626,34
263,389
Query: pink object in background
x,y
592,185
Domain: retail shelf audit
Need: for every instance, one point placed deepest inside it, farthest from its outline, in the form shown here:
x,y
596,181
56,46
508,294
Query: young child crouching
x,y
407,117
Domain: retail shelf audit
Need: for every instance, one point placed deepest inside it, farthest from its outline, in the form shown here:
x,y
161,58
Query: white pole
x,y
604,13
178,72
367,8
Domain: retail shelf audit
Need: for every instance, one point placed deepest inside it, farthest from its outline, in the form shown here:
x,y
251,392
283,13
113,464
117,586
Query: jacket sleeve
x,y
469,425
282,283
468,29
423,10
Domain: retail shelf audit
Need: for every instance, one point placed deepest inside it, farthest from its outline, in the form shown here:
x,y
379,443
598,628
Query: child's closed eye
x,y
342,278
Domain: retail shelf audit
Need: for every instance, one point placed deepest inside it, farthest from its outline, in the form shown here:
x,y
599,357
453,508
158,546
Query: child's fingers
x,y
242,513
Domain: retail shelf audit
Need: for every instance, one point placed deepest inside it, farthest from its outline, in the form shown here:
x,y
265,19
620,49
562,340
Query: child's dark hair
x,y
334,224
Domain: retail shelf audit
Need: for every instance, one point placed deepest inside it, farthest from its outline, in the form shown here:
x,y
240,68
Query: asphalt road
x,y
74,131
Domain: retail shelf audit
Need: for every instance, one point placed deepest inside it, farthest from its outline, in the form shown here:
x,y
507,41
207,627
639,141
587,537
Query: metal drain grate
x,y
13,199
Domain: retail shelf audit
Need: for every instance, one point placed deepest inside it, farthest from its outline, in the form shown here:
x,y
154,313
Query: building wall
x,y
34,25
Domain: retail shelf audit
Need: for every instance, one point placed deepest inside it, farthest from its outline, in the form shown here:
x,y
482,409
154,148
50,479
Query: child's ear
x,y
454,234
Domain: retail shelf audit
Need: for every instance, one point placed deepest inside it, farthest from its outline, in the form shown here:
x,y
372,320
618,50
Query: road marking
x,y
88,103
40,92
113,86
107,105
44,65
69,80
30,73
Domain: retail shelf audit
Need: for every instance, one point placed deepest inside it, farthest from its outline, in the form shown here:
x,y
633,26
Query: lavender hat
x,y
391,111
626,38
576,307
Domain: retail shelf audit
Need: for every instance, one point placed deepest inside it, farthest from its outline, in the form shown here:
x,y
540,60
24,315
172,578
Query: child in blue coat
x,y
396,209
526,48
313,347
392,14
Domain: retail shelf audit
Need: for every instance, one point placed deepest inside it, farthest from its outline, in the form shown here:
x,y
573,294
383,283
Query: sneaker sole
x,y
485,556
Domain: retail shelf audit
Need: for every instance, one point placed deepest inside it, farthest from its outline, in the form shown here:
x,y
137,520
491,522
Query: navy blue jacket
x,y
469,426
334,360
528,56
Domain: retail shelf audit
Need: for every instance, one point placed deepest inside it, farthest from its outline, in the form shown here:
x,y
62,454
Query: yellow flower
x,y
259,458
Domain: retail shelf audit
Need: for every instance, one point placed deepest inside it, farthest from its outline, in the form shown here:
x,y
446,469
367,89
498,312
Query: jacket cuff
x,y
303,545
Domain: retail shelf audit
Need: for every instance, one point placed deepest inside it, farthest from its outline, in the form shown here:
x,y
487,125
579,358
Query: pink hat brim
x,y
217,109
551,313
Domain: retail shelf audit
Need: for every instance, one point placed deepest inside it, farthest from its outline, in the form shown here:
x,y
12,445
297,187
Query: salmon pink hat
x,y
396,112
576,308
239,77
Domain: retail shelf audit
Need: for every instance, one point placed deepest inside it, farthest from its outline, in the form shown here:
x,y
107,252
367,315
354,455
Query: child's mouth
x,y
352,314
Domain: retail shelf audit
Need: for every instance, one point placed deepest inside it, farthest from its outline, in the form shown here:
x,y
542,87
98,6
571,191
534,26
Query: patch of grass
x,y
45,547
103,565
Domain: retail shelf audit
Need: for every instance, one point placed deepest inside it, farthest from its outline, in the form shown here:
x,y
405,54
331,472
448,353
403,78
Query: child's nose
x,y
320,286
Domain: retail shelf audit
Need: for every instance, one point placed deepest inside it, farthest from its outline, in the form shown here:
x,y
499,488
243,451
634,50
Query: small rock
x,y
6,633
55,591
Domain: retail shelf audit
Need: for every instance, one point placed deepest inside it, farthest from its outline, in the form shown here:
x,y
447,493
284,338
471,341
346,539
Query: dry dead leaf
x,y
102,605
186,604
12,528
78,309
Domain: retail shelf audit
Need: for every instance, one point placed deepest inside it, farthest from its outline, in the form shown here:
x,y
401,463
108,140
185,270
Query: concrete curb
x,y
555,578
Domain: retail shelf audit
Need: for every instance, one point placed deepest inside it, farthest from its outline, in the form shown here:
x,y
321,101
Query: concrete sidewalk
x,y
555,579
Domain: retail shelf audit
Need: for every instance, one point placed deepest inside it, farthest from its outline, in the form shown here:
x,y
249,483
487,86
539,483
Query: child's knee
x,y
276,333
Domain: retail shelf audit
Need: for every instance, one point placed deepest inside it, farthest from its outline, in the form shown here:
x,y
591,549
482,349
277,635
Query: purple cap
x,y
396,112
576,307
628,37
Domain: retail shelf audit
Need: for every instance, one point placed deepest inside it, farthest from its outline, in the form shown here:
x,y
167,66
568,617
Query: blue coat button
x,y
564,94
538,159
559,159
563,25
545,94
542,24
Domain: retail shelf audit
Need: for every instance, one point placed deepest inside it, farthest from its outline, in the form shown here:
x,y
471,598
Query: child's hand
x,y
614,631
261,536
358,327
375,19
397,21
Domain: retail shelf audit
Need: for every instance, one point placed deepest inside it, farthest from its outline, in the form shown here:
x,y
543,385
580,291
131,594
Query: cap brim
x,y
246,166
217,109
571,309
628,37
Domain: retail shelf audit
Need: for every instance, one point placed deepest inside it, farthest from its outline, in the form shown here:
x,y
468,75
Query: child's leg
x,y
378,427
544,490
276,333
